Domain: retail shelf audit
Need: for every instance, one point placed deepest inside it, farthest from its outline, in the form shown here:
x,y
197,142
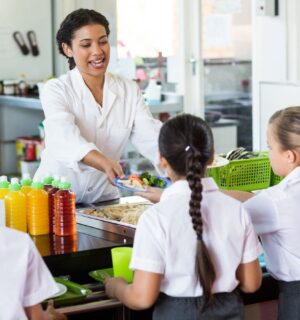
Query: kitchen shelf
x,y
34,103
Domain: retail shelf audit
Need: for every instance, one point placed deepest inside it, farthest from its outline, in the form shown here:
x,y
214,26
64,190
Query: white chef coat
x,y
75,124
276,218
165,241
24,278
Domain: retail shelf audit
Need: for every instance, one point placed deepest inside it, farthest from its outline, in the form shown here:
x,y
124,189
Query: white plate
x,y
62,290
218,162
119,184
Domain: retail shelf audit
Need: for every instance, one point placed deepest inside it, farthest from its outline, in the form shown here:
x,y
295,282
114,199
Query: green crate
x,y
245,175
275,179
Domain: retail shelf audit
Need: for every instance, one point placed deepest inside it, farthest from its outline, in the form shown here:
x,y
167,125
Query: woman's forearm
x,y
100,162
95,159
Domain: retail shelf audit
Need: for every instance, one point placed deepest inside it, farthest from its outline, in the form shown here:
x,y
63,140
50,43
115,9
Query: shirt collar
x,y
80,86
182,187
292,177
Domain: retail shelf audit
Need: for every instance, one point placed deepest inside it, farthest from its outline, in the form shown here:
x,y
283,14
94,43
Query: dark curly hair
x,y
186,142
74,21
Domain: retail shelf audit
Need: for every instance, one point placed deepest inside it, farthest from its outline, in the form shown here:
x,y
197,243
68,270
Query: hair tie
x,y
199,237
187,148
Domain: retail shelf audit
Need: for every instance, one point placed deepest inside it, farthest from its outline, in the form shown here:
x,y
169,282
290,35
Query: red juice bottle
x,y
65,219
47,181
51,200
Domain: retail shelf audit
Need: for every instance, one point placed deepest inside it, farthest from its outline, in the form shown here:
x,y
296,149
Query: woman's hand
x,y
99,161
112,169
152,194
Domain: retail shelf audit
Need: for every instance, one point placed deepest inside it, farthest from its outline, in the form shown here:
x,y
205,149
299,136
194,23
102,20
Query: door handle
x,y
193,62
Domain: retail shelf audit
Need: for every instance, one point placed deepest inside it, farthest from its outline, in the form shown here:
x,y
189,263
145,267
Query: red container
x,y
30,154
65,219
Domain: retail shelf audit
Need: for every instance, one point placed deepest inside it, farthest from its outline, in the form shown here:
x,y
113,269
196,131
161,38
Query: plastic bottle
x,y
65,220
15,207
38,216
26,183
47,181
51,201
153,92
4,184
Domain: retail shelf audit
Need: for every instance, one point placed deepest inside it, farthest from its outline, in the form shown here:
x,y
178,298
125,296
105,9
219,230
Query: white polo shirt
x,y
165,241
24,278
275,213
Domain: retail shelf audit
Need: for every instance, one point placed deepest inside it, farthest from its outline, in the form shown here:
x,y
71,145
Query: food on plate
x,y
133,181
139,182
127,213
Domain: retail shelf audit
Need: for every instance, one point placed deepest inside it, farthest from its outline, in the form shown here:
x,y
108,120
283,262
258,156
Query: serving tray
x,y
106,224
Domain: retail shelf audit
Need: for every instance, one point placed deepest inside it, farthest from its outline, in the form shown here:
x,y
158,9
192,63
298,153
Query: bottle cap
x,y
4,184
37,185
55,181
26,180
14,185
64,184
47,179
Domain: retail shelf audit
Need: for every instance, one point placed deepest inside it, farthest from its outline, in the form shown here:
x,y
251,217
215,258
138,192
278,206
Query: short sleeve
x,y
263,213
40,284
148,251
251,248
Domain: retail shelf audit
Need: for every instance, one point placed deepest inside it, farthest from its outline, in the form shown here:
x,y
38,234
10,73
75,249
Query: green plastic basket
x,y
245,175
275,179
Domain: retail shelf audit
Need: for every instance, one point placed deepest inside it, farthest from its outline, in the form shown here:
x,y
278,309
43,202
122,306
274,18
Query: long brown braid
x,y
186,142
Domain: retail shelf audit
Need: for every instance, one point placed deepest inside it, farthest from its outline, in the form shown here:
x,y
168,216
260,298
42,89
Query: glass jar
x,y
9,87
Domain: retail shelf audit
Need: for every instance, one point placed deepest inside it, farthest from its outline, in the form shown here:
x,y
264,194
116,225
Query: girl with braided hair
x,y
196,246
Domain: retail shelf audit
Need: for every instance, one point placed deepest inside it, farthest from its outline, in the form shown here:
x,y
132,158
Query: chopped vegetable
x,y
150,180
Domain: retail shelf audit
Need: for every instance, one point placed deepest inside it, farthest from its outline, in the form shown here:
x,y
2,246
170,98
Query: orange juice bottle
x,y
65,220
15,207
4,184
26,183
47,181
38,217
51,200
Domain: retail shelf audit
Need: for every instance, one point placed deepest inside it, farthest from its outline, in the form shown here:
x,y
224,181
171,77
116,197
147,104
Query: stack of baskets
x,y
245,174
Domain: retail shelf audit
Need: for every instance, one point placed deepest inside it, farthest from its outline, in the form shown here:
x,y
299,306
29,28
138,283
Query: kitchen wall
x,y
23,16
276,54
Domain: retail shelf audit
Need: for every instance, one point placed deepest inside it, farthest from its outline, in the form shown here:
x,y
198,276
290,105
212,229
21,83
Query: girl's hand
x,y
52,313
152,194
112,284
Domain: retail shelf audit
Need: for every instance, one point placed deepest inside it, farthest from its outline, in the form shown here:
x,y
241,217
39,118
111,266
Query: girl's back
x,y
165,238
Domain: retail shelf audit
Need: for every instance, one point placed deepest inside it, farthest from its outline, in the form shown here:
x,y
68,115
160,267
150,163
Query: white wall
x,y
269,61
23,16
276,55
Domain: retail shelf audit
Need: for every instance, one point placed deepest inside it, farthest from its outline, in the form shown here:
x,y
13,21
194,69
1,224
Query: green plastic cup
x,y
120,260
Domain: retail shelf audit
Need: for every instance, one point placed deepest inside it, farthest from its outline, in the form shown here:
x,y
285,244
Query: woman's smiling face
x,y
90,50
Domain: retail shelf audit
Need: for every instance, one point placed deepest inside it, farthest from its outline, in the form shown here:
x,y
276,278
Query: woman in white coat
x,y
91,114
